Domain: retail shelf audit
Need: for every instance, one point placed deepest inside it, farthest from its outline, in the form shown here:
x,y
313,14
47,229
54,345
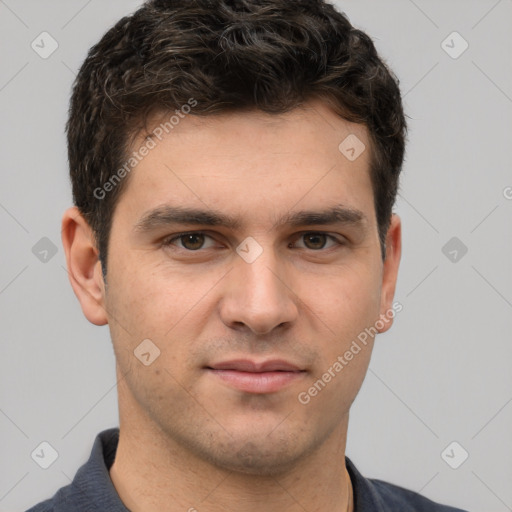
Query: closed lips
x,y
254,367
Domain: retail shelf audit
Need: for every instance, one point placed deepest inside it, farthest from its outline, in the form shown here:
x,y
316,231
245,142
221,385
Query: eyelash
x,y
169,240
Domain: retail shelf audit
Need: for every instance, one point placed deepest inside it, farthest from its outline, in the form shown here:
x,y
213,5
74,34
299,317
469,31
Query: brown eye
x,y
193,241
315,241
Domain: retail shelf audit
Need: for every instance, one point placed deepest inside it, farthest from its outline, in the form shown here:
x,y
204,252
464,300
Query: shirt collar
x,y
92,482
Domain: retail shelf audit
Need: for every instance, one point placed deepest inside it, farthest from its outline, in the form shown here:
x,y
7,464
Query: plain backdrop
x,y
440,375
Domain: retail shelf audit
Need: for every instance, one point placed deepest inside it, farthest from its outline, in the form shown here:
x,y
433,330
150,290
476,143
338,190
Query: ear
x,y
390,270
84,267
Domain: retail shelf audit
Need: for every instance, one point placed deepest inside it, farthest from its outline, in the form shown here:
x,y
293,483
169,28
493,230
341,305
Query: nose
x,y
257,297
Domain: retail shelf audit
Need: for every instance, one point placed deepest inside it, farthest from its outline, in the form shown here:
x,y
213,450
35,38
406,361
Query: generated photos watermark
x,y
144,150
304,397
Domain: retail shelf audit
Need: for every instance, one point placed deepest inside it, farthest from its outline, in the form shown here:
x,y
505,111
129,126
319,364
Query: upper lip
x,y
247,365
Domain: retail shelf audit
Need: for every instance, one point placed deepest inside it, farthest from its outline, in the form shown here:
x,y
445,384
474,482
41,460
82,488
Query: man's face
x,y
242,333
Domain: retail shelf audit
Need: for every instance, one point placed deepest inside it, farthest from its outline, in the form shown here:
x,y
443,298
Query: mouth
x,y
256,377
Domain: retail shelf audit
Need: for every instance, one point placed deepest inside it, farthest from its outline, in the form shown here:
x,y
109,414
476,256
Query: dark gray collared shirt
x,y
93,491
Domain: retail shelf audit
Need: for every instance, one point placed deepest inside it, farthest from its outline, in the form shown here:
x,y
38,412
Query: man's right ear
x,y
84,266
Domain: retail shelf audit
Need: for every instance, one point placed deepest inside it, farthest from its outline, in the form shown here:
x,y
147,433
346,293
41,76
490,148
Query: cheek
x,y
347,310
348,299
149,300
168,307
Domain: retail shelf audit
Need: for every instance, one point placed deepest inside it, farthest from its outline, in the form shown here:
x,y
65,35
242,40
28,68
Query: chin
x,y
252,454
254,459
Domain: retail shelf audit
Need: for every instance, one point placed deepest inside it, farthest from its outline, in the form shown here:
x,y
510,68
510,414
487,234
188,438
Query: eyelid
x,y
168,240
338,240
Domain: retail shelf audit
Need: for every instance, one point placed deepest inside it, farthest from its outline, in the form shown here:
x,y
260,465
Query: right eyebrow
x,y
166,215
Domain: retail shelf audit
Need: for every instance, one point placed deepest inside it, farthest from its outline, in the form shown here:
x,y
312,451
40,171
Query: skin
x,y
188,440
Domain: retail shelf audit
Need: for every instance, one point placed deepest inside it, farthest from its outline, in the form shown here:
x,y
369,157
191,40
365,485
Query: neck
x,y
151,472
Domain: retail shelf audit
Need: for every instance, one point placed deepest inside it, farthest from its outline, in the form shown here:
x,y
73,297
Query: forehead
x,y
251,160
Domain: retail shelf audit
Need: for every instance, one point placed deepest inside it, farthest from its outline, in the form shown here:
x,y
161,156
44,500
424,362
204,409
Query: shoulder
x,y
373,495
91,489
55,504
399,499
65,499
45,506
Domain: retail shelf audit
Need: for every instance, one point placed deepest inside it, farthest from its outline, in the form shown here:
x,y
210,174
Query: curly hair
x,y
228,55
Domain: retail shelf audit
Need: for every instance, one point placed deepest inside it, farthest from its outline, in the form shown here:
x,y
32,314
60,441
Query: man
x,y
234,168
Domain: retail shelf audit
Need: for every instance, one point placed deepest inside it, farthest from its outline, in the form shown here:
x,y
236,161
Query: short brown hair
x,y
228,55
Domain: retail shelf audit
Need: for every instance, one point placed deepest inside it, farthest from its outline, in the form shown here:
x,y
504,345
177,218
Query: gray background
x,y
441,374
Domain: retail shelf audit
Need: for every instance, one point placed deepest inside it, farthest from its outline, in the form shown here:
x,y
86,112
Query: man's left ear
x,y
390,270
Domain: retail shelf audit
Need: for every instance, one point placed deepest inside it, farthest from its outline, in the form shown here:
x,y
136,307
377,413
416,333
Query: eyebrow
x,y
163,216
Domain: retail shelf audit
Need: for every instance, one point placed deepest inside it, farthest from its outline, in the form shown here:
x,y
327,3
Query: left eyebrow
x,y
335,215
167,215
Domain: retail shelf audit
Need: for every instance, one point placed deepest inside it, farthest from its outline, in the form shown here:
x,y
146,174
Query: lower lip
x,y
264,382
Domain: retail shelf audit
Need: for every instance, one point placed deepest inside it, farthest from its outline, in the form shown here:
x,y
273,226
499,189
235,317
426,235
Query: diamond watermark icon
x,y
44,455
147,352
454,455
454,249
352,147
44,250
44,45
249,250
454,45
